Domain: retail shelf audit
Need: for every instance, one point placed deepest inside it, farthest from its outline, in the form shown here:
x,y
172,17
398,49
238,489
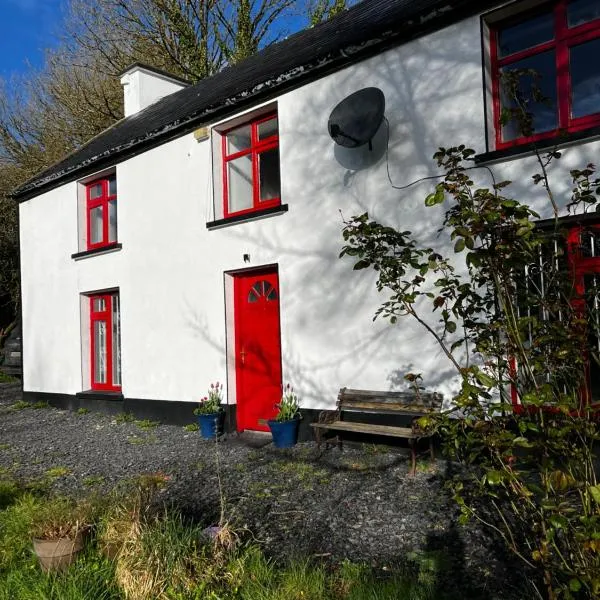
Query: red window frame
x,y
579,267
105,315
255,149
102,201
564,38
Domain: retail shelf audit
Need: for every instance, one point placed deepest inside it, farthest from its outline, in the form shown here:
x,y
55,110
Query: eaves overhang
x,y
363,31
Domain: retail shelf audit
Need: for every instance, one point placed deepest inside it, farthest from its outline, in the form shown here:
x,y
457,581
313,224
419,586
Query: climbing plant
x,y
505,308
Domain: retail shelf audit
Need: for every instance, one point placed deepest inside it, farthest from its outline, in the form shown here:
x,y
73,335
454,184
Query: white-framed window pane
x,y
239,139
96,223
268,169
267,128
239,180
116,340
112,185
112,220
585,79
99,352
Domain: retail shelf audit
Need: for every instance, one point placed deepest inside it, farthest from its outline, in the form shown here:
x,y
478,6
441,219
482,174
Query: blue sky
x,y
26,28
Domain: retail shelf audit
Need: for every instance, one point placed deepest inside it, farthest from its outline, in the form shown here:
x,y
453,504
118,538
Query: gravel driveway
x,y
358,504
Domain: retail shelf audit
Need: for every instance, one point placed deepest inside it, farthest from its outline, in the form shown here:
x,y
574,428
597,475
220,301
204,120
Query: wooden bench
x,y
362,404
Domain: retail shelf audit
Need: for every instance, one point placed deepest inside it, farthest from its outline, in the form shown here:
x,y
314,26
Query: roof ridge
x,y
353,35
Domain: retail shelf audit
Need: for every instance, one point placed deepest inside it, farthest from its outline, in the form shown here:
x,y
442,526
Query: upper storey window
x,y
545,66
251,180
101,212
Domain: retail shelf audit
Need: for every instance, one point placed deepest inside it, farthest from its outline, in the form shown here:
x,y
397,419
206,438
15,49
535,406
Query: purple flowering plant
x,y
288,407
211,403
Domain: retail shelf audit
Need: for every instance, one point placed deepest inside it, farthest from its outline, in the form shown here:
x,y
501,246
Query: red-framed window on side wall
x,y
555,47
572,252
251,179
101,205
105,342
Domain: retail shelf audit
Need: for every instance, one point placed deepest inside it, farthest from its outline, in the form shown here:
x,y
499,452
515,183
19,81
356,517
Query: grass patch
x,y
56,472
9,492
147,424
40,404
144,553
91,577
83,411
191,427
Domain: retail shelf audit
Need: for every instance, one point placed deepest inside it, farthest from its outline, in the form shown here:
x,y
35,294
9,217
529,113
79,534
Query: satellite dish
x,y
356,119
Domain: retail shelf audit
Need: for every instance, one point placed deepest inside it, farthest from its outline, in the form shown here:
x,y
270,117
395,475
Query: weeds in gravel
x,y
56,472
40,404
4,446
93,480
376,448
147,424
136,440
4,378
254,455
83,411
20,405
191,427
307,474
426,466
124,417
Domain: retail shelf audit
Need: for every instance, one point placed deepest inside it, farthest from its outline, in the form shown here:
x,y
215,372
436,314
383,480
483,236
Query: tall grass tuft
x,y
15,539
90,578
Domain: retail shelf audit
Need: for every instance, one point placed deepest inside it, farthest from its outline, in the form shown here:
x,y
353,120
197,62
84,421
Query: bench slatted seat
x,y
360,405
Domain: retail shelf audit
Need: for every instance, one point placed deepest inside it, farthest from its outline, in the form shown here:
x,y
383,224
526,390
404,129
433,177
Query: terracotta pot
x,y
57,555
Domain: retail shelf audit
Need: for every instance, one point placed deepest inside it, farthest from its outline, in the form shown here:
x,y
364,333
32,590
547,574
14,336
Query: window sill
x,y
103,250
523,150
98,395
244,218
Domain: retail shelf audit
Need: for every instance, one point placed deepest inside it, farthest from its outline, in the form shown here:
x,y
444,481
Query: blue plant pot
x,y
285,433
211,425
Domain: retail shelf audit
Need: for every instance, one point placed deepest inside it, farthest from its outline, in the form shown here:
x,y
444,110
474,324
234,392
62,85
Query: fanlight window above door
x,y
262,289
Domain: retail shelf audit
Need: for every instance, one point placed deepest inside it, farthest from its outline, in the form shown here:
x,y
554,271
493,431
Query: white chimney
x,y
144,85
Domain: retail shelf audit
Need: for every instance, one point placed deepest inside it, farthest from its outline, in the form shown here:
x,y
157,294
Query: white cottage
x,y
197,239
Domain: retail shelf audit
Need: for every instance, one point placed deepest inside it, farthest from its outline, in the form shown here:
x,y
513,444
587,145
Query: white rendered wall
x,y
170,269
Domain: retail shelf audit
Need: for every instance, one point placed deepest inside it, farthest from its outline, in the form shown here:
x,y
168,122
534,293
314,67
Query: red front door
x,y
257,347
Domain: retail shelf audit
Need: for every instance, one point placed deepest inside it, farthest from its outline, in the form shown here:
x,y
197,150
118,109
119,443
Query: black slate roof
x,y
359,32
